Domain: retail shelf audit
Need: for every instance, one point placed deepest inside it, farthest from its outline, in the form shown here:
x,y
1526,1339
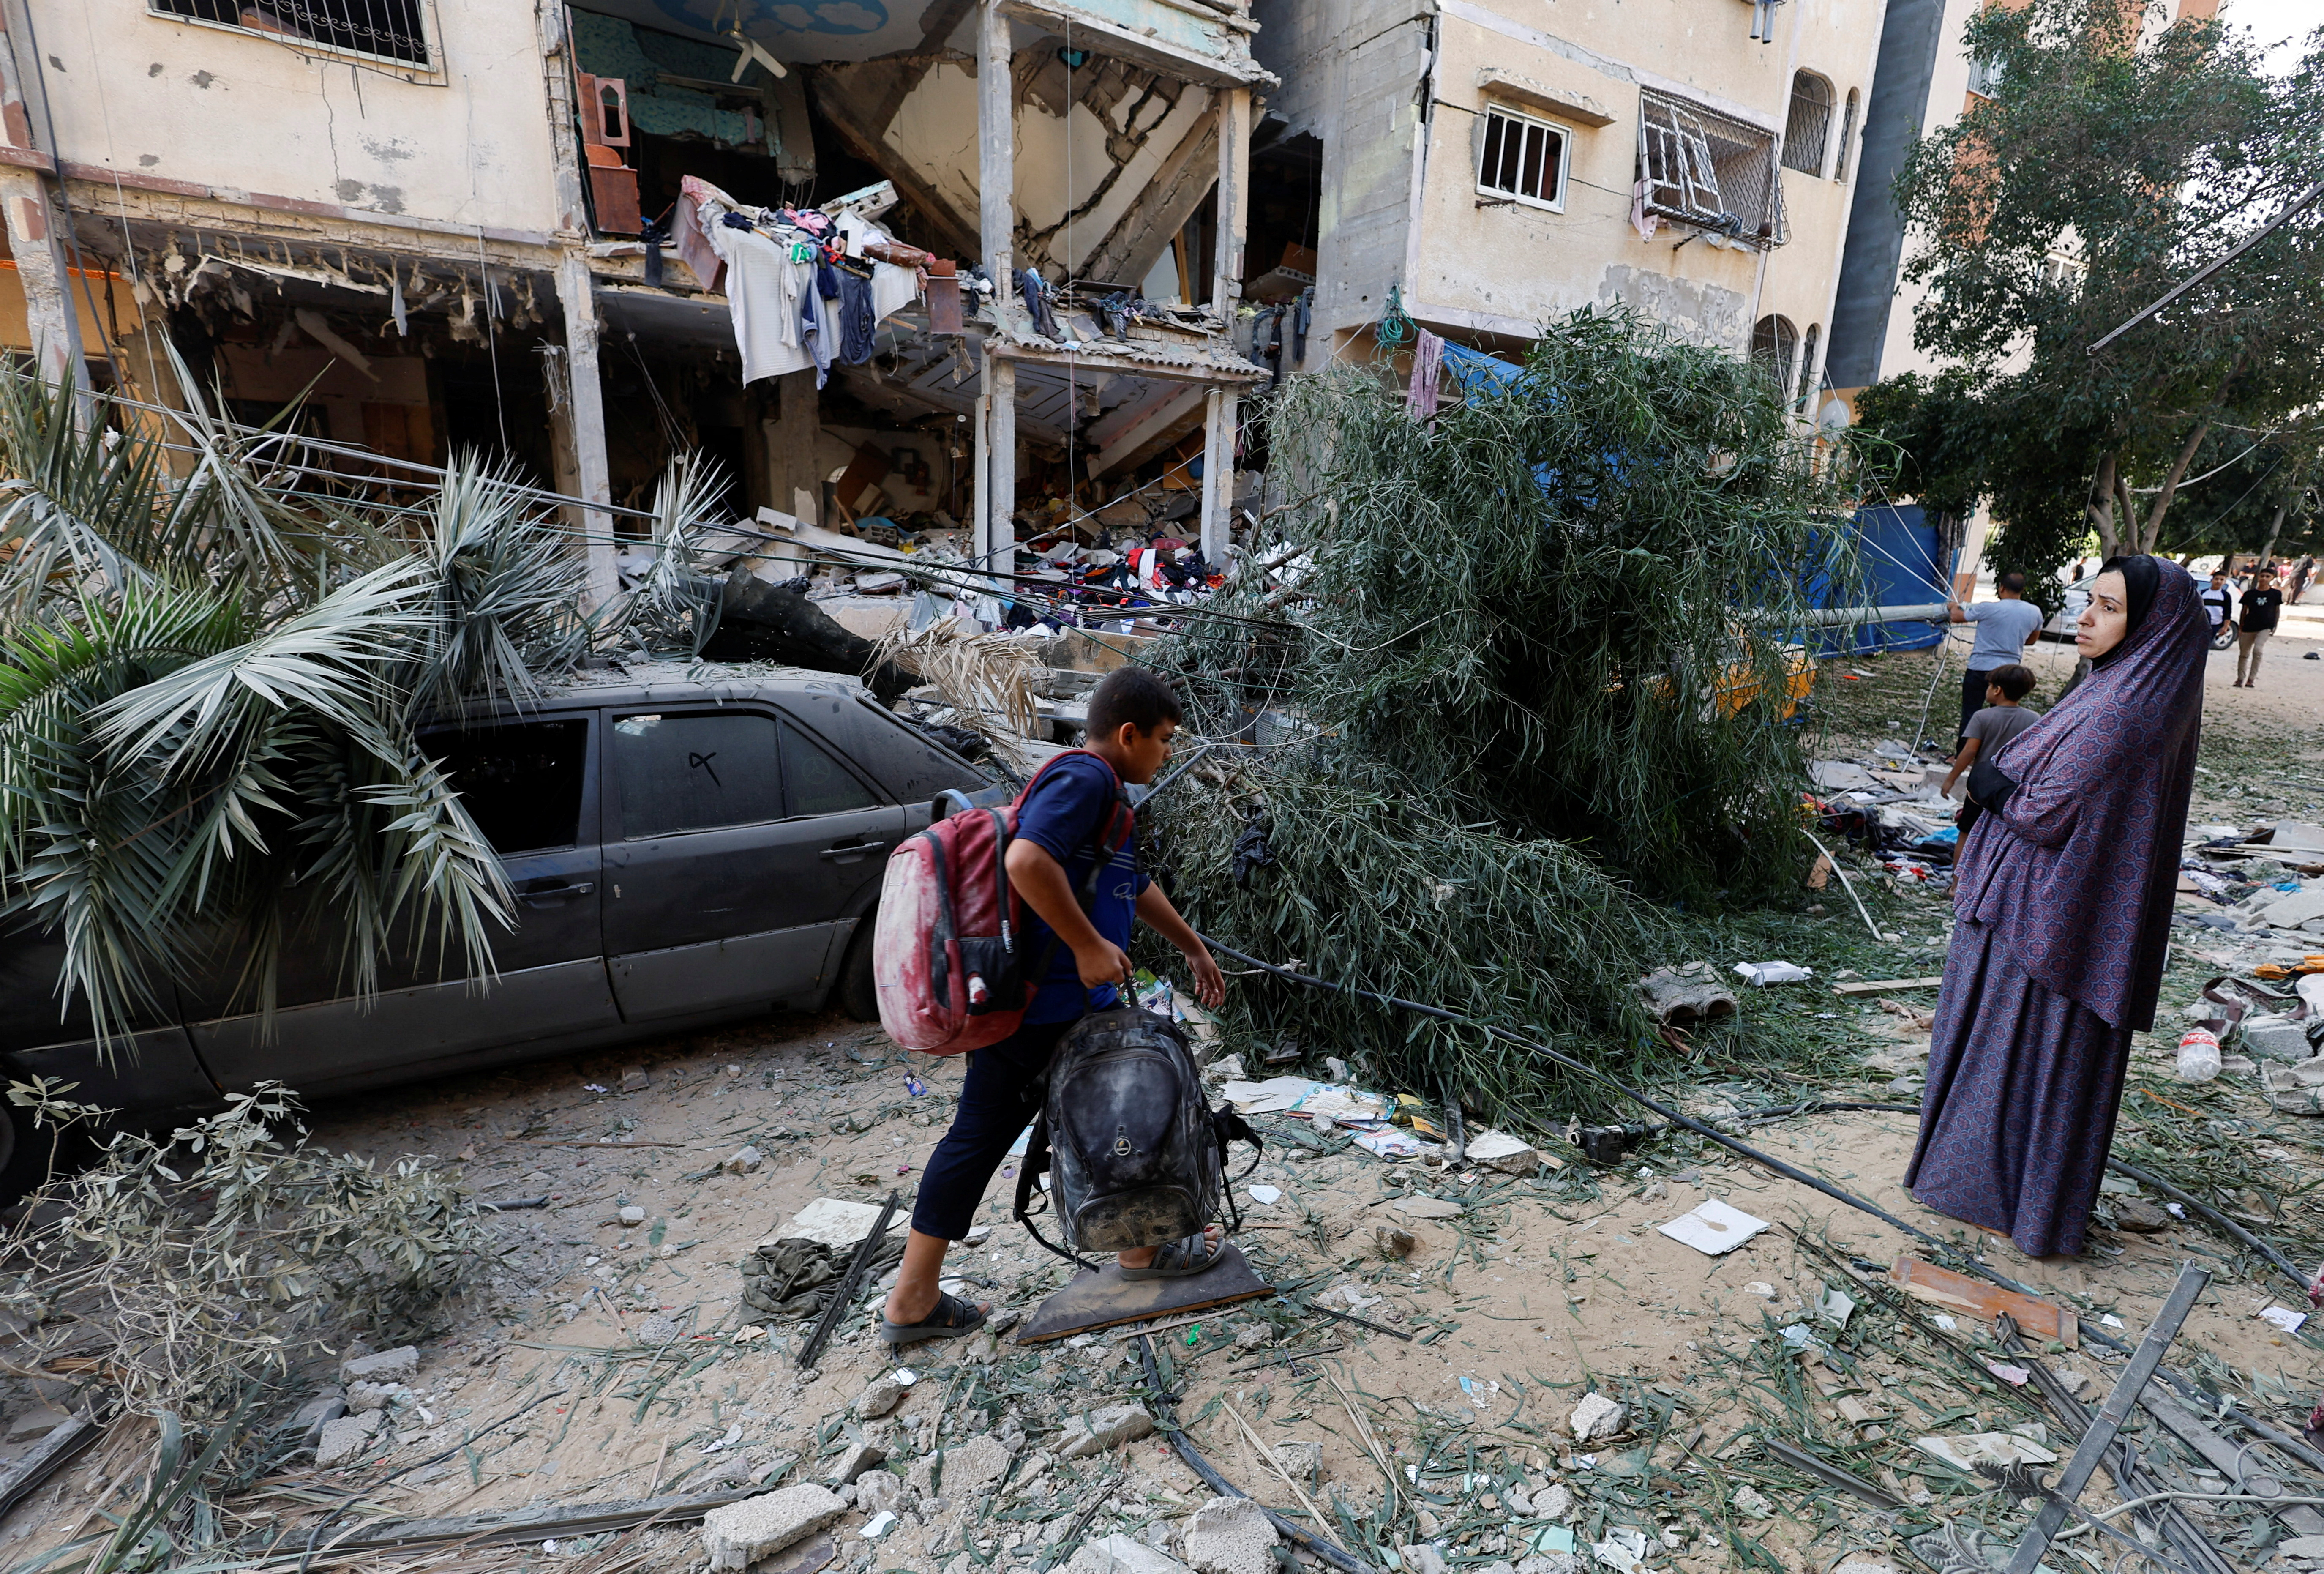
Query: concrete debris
x,y
1394,1243
743,1161
1677,997
1303,1460
1121,1555
876,1491
739,1534
363,1396
1597,1416
1751,1505
859,1458
632,1217
1098,1430
1231,1535
395,1366
318,1412
1421,1558
346,1438
658,1330
968,1468
885,1393
634,1079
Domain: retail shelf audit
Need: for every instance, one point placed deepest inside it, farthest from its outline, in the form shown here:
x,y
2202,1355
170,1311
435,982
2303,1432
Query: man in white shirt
x,y
2004,626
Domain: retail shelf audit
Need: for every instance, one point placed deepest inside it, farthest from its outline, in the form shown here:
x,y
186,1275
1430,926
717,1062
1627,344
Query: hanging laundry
x,y
1427,359
694,249
762,294
1036,291
1643,222
856,341
1302,312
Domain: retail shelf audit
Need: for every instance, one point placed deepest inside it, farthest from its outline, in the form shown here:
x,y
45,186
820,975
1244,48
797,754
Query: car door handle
x,y
542,895
846,851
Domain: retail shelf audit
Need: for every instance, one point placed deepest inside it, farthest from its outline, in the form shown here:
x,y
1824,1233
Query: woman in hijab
x,y
2062,901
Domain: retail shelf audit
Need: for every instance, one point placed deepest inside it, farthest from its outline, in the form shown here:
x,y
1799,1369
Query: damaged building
x,y
407,227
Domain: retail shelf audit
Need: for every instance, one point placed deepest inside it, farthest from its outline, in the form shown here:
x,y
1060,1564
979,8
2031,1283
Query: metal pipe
x,y
1830,616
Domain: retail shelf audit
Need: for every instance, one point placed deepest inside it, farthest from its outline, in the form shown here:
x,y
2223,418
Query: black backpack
x,y
1134,1156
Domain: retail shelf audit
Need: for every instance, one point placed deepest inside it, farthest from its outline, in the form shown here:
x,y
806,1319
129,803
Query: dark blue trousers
x,y
1001,1095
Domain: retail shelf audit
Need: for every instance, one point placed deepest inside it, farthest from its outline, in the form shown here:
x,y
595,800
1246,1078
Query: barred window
x,y
1774,350
1809,125
392,30
1709,169
1847,135
1523,158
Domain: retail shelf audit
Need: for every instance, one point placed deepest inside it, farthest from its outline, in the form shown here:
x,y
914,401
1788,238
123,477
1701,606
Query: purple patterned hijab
x,y
2079,867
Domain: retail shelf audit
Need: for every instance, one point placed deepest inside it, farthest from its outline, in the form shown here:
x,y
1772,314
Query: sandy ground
x,y
1544,1287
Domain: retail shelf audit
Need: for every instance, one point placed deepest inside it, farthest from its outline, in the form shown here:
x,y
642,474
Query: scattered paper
x,y
1266,1196
1969,1452
1714,1228
2016,1376
2283,1317
1947,1323
1393,1142
1765,973
879,1525
1624,1548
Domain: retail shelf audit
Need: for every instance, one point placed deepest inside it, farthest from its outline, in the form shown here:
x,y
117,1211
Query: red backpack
x,y
946,958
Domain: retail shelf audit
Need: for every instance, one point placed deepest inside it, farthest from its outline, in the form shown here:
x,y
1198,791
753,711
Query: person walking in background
x,y
2062,907
2003,627
2255,626
2218,600
2301,570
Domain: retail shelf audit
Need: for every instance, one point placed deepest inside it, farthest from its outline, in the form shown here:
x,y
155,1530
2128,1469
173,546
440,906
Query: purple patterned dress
x,y
2062,902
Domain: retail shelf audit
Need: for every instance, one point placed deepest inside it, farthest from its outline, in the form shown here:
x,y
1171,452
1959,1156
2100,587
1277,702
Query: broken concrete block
x,y
1101,1430
2140,1217
1751,1505
859,1458
743,1161
1120,1555
877,1490
364,1397
1302,1461
1676,999
739,1534
658,1330
316,1412
1421,1558
397,1366
632,1217
1553,1501
634,1080
885,1394
1231,1535
2276,1038
1597,1416
346,1438
36,1422
1394,1243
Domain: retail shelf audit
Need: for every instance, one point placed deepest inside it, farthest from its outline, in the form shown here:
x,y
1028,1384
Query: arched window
x,y
1805,398
1809,125
1840,165
1775,346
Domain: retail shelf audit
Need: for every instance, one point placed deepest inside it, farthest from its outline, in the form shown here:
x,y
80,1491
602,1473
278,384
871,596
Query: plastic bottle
x,y
2199,1055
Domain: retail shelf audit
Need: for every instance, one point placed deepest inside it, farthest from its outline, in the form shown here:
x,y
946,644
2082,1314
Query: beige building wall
x,y
237,112
1404,108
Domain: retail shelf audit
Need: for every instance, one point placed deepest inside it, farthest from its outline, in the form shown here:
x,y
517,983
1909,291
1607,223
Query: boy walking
x,y
2262,606
2218,600
2003,718
1076,814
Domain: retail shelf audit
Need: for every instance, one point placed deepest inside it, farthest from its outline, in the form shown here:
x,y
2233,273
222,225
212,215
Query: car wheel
x,y
857,996
2224,639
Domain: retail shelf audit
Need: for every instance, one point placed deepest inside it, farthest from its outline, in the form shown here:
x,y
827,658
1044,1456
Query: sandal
x,y
1182,1259
950,1317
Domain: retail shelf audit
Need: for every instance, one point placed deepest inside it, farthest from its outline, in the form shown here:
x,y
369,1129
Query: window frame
x,y
1678,132
431,73
1806,113
1564,133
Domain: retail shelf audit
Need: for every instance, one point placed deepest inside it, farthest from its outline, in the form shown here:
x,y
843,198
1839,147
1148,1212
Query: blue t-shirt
x,y
2003,628
1066,810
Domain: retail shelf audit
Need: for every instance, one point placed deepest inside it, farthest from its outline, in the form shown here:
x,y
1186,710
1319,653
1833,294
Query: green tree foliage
x,y
1542,639
2114,160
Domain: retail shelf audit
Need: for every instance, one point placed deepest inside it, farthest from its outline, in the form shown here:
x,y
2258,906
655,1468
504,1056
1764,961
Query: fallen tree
x,y
1531,659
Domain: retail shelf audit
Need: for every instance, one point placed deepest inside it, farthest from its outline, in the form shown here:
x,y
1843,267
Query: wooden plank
x,y
1883,985
48,1456
543,1521
1104,1298
2040,1320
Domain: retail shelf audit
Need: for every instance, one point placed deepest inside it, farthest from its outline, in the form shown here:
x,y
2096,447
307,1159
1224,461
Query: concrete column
x,y
35,234
581,422
1220,411
996,200
794,482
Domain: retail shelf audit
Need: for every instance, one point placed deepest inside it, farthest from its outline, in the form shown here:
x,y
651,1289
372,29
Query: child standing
x,y
1132,716
2003,718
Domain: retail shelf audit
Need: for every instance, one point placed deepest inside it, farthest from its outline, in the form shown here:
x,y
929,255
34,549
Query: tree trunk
x,y
758,621
2275,529
2152,532
2099,505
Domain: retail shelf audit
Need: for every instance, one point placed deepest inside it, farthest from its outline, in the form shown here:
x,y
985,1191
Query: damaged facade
x,y
1498,165
434,225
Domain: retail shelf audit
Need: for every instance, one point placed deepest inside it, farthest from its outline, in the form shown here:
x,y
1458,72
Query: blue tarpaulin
x,y
1904,563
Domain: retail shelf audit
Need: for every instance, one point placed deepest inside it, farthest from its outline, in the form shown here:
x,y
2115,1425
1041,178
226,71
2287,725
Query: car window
x,y
820,785
696,771
520,782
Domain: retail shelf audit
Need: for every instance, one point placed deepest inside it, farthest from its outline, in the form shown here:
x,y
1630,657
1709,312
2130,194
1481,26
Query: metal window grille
x,y
1710,170
1847,135
393,30
1775,346
1809,124
1522,158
